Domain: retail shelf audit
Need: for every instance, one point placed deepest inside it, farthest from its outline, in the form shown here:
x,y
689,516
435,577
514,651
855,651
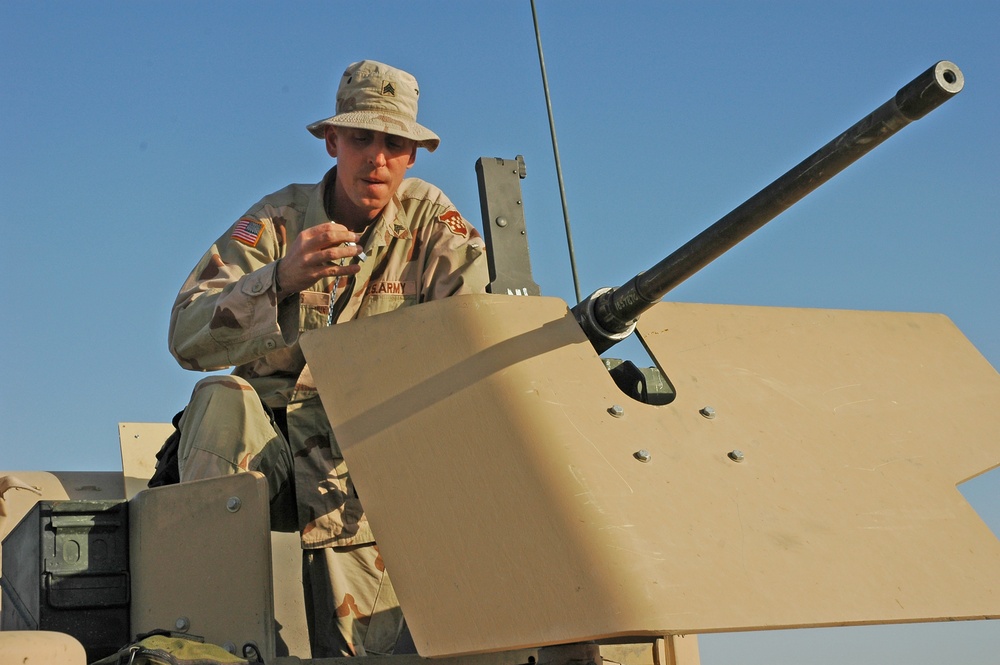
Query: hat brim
x,y
379,122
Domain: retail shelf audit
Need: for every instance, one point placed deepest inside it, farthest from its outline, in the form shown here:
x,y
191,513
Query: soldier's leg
x,y
225,430
351,606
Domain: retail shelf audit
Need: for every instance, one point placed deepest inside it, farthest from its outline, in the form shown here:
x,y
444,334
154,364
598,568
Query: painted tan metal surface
x,y
291,630
40,647
139,443
200,560
512,511
666,650
675,650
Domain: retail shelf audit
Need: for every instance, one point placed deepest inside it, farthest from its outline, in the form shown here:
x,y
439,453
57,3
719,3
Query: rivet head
x,y
501,222
230,647
736,455
642,455
182,623
233,504
707,411
617,411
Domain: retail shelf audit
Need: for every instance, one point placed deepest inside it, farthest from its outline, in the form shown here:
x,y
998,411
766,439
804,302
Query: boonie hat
x,y
380,98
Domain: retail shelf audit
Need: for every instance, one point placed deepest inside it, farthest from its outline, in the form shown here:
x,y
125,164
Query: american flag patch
x,y
248,231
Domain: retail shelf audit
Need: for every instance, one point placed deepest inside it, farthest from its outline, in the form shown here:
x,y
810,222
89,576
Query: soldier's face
x,y
370,166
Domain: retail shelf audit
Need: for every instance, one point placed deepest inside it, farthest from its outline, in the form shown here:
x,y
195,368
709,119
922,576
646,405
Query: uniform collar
x,y
316,209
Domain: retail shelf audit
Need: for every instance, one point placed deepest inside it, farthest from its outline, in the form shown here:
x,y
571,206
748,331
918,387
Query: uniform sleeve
x,y
456,258
227,313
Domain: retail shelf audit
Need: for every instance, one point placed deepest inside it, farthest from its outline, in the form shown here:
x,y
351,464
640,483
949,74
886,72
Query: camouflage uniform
x,y
227,314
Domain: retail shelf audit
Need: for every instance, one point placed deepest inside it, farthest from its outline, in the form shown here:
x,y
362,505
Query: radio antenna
x,y
555,152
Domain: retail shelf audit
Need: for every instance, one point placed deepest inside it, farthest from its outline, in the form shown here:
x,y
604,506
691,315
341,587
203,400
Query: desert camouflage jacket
x,y
227,315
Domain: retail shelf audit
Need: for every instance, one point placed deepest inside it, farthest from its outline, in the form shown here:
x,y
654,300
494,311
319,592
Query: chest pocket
x,y
385,296
313,309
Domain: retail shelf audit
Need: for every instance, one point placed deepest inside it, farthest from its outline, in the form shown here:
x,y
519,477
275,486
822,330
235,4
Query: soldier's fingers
x,y
343,252
328,235
337,269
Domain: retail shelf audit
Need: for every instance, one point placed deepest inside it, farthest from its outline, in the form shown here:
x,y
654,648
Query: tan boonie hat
x,y
380,98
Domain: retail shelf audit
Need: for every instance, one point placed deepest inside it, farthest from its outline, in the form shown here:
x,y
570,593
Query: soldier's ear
x,y
413,156
331,141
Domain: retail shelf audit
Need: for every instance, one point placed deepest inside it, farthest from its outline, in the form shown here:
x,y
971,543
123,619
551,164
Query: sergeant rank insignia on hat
x,y
248,231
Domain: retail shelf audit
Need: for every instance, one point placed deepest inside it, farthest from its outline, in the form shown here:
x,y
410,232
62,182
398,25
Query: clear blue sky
x,y
132,134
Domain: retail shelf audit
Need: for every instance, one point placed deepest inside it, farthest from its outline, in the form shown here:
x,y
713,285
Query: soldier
x,y
363,241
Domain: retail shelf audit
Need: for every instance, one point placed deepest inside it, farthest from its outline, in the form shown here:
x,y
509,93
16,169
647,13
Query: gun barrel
x,y
609,315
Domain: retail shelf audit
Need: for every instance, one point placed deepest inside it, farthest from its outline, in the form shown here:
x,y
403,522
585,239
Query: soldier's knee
x,y
227,393
224,384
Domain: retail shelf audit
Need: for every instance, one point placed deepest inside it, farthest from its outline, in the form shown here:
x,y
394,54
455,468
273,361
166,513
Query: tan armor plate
x,y
512,511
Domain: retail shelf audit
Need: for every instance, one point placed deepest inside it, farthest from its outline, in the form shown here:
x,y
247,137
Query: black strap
x,y
167,464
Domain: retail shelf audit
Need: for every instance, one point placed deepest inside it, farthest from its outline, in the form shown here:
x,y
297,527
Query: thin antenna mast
x,y
555,151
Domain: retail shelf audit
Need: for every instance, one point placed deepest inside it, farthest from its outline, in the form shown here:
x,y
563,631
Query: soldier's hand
x,y
316,253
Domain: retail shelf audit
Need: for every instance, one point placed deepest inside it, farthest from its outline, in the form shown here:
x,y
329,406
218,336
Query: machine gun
x,y
609,315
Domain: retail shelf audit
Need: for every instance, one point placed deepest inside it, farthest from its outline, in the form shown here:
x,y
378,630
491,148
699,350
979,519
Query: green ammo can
x,y
65,569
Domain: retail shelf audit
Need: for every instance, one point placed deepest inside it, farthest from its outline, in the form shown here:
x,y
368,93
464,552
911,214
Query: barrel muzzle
x,y
609,315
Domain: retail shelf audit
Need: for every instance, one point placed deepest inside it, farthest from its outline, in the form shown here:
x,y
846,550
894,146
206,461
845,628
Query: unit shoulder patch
x,y
454,221
248,231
